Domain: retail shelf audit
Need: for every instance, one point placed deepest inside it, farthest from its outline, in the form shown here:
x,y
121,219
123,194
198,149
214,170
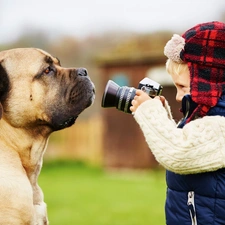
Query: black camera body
x,y
121,97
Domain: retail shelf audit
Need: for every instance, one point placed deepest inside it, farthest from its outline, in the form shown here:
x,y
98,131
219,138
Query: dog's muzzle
x,y
80,95
83,72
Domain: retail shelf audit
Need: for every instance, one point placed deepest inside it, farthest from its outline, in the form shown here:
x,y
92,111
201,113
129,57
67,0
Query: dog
x,y
37,97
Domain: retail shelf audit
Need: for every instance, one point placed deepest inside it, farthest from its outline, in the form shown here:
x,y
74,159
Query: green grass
x,y
80,195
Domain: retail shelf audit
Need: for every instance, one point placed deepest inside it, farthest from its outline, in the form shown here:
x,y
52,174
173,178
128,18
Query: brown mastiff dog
x,y
37,97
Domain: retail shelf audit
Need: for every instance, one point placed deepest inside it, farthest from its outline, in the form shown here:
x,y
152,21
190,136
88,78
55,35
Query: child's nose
x,y
179,97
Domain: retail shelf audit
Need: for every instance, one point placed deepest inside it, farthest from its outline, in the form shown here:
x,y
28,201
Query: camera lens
x,y
124,97
119,97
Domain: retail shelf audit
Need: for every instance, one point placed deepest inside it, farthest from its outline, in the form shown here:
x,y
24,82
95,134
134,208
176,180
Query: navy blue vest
x,y
196,199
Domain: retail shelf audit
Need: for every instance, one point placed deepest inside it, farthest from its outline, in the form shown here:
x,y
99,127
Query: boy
x,y
193,152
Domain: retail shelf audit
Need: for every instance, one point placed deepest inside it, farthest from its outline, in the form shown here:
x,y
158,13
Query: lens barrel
x,y
125,96
119,97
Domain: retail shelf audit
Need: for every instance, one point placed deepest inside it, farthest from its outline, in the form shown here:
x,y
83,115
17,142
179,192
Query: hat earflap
x,y
174,47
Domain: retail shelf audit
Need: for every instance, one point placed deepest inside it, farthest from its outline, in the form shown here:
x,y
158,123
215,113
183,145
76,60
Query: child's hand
x,y
141,97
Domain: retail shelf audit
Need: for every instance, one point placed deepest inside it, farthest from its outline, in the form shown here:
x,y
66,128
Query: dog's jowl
x,y
37,97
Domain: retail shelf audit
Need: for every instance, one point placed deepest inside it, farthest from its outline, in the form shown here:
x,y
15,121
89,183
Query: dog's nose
x,y
82,72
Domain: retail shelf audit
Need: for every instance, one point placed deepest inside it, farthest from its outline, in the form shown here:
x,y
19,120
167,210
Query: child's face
x,y
182,83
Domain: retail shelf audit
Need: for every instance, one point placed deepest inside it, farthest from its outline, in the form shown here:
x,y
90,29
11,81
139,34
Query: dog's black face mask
x,y
4,87
76,93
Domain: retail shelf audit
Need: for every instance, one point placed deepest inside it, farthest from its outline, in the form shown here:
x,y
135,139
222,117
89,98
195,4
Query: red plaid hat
x,y
203,49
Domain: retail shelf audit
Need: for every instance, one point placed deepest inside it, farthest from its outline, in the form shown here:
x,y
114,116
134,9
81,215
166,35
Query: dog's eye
x,y
48,70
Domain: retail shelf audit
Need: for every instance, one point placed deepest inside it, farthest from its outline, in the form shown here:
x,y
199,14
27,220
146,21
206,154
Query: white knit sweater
x,y
198,147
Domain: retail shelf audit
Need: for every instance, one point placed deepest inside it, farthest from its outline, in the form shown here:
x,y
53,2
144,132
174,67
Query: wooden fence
x,y
82,141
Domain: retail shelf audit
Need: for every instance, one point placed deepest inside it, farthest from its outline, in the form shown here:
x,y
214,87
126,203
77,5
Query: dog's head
x,y
35,90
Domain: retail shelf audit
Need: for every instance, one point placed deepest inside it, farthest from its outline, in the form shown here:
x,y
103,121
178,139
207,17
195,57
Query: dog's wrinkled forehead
x,y
49,58
26,59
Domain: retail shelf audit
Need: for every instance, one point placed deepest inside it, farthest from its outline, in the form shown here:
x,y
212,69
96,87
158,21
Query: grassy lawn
x,y
80,195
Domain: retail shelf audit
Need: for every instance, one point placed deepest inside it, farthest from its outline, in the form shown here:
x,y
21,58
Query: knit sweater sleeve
x,y
198,147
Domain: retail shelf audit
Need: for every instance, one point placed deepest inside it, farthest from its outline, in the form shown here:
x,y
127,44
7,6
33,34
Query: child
x,y
193,152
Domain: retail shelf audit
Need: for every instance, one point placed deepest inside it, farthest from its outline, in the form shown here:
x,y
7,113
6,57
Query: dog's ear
x,y
1,110
4,87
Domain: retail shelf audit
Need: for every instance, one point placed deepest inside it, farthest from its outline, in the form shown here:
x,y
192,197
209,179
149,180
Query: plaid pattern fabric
x,y
204,52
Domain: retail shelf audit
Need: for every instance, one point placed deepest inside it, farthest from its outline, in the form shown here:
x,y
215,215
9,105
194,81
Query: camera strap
x,y
188,107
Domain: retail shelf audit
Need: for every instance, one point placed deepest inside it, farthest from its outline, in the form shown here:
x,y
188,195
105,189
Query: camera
x,y
121,97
